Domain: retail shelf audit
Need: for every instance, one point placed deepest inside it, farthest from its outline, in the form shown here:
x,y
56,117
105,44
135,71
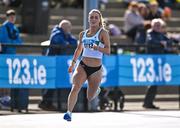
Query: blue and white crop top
x,y
88,43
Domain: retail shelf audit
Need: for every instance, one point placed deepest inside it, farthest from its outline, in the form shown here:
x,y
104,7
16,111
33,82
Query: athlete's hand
x,y
95,46
70,69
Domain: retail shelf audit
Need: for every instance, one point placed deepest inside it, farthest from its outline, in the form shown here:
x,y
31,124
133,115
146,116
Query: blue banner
x,y
137,70
27,71
17,71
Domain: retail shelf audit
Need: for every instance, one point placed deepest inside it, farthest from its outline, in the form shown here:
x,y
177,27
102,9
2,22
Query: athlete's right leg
x,y
79,78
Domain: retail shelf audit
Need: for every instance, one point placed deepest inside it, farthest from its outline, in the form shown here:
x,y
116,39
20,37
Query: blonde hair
x,y
102,22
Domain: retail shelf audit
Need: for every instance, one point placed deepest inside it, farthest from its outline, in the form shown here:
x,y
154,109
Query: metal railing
x,y
115,46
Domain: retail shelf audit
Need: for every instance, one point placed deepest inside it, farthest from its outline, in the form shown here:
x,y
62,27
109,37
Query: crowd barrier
x,y
26,71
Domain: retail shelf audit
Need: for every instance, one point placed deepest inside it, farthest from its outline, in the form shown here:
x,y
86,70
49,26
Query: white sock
x,y
69,113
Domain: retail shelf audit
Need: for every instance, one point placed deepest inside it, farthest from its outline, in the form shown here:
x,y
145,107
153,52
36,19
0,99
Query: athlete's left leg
x,y
94,81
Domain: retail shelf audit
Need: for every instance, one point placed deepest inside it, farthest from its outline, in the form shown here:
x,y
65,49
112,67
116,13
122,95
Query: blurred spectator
x,y
143,10
113,29
154,11
133,21
9,34
60,35
160,43
149,12
157,36
141,33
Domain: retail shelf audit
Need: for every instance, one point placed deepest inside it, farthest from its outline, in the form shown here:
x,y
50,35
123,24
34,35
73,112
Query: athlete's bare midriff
x,y
92,62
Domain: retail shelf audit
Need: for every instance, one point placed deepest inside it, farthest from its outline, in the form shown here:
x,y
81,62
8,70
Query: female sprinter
x,y
94,42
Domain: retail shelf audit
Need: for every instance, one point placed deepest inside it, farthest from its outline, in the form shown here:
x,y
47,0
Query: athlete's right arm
x,y
77,53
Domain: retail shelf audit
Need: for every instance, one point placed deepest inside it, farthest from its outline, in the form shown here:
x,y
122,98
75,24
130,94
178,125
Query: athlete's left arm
x,y
104,37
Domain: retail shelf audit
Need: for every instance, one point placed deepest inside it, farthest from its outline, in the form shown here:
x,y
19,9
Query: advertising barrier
x,y
22,71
